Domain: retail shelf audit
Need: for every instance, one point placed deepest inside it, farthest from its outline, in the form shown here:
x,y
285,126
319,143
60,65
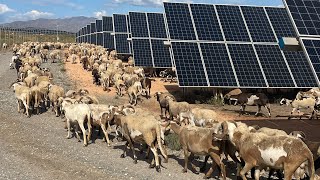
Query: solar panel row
x,y
234,46
148,32
121,34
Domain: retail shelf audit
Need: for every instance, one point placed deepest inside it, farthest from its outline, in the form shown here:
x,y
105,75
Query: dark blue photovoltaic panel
x,y
93,39
179,21
300,69
100,39
88,29
108,40
122,44
232,23
161,54
281,22
139,26
85,31
93,27
274,66
107,24
313,50
128,22
156,25
88,38
258,24
99,25
246,65
188,64
120,23
219,69
142,52
306,15
206,22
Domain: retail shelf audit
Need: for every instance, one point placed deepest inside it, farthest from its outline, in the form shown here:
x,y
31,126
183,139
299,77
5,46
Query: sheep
x,y
100,116
44,89
142,129
96,76
163,102
250,99
119,86
176,107
199,141
30,80
85,61
105,80
134,91
54,93
36,97
297,104
199,117
146,85
23,95
80,114
313,146
260,150
233,96
41,78
70,94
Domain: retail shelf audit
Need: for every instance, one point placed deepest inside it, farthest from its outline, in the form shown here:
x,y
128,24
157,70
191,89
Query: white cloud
x,y
31,15
99,14
148,2
4,9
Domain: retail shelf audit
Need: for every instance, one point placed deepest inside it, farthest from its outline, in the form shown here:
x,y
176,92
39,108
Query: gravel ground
x,y
36,148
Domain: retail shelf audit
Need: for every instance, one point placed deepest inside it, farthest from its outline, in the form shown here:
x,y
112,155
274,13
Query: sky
x,y
22,10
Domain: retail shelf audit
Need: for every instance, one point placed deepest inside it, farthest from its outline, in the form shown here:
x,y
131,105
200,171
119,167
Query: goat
x,y
134,91
260,150
54,93
198,117
297,104
146,85
163,102
176,107
199,141
23,95
77,113
142,129
250,99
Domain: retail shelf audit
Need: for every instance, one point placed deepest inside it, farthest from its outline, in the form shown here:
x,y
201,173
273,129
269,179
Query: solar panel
x,y
189,66
88,28
100,39
107,24
122,44
93,39
232,23
93,27
281,22
300,69
142,51
246,65
179,21
218,65
156,25
120,23
312,47
161,54
305,14
274,66
138,22
258,24
206,22
108,40
99,25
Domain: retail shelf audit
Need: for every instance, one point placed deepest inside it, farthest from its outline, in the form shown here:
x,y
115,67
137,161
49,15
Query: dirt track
x,y
36,148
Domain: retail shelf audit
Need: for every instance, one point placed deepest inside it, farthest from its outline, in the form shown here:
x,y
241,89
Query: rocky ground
x,y
36,147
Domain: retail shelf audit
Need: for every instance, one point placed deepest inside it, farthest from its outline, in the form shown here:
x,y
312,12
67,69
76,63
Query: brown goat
x,y
199,141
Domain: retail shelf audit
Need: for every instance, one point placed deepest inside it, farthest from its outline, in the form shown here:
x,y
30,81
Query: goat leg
x,y
186,158
124,154
103,127
156,157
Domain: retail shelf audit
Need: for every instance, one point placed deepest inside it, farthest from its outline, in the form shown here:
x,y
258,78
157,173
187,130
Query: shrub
x,y
172,141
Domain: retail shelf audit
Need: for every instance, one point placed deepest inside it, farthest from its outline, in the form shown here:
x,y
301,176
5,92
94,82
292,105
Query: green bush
x,y
172,141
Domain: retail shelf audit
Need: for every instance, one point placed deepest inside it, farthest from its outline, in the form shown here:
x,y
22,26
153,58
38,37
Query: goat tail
x,y
311,170
160,144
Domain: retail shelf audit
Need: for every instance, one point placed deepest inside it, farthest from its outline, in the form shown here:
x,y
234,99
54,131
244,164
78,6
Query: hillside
x,y
72,24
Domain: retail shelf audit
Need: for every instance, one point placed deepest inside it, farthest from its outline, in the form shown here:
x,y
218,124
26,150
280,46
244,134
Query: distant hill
x,y
72,24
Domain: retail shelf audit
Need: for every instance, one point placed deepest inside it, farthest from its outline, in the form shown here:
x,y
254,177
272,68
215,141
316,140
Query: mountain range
x,y
72,24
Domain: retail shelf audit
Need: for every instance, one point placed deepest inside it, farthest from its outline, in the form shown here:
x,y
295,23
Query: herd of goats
x,y
200,131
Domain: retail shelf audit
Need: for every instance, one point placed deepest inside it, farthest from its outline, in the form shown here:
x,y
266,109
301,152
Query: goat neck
x,y
175,127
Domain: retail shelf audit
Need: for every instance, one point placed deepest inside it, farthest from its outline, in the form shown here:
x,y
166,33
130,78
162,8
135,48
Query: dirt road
x,y
36,148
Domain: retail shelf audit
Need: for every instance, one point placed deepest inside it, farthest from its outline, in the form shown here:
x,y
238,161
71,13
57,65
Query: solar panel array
x,y
107,28
234,46
121,34
306,16
148,32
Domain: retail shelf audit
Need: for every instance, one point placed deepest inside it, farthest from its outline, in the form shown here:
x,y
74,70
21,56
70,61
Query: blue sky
x,y
13,10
